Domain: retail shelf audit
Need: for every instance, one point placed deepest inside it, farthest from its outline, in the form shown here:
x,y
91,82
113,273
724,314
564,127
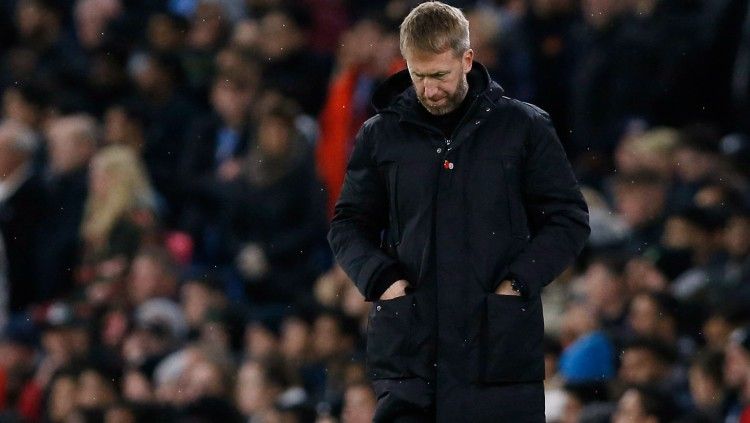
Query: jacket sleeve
x,y
360,215
557,212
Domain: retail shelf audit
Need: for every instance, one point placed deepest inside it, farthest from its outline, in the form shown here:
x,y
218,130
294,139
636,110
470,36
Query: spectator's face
x,y
706,393
121,129
251,392
279,36
326,336
644,316
92,18
215,333
678,233
15,107
163,34
207,26
358,44
273,137
640,366
295,339
602,287
148,280
439,79
231,100
246,35
641,275
196,300
630,409
94,391
359,405
136,387
639,204
577,321
16,357
737,236
62,400
716,331
692,165
259,341
203,379
56,345
33,20
736,365
67,151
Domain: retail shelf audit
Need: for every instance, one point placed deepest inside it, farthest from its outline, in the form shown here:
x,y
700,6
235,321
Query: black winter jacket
x,y
454,217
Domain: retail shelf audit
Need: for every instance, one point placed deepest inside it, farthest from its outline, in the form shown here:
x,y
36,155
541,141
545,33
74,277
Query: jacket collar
x,y
397,95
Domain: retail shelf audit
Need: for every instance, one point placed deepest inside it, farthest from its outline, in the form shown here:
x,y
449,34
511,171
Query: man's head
x,y
17,146
71,142
435,43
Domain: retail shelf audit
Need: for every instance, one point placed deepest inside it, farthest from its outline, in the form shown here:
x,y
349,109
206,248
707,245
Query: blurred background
x,y
168,169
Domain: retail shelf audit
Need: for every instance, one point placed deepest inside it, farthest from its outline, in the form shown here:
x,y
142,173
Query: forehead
x,y
427,62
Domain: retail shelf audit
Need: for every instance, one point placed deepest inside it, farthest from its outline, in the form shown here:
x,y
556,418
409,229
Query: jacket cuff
x,y
384,280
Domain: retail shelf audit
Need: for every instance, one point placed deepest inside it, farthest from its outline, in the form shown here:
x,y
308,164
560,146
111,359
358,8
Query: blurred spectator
x,y
22,205
640,200
642,404
275,220
706,385
290,65
607,293
359,404
357,73
213,157
588,354
125,125
71,142
737,373
118,215
259,386
158,79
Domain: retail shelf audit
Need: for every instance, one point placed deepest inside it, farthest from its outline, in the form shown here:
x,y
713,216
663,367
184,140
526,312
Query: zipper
x,y
395,223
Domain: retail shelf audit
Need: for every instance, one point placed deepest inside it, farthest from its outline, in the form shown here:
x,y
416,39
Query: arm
x,y
558,215
360,215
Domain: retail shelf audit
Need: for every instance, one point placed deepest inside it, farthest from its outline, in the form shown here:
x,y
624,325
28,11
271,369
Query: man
x,y
457,208
22,205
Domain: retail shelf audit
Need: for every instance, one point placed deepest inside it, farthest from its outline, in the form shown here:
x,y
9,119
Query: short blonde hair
x,y
435,27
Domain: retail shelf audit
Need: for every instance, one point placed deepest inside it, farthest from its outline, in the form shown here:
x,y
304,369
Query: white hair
x,y
21,137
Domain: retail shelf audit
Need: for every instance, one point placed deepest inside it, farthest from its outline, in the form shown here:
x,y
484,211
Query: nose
x,y
430,89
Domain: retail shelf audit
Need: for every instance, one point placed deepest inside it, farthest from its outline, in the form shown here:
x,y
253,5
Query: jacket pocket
x,y
389,345
513,340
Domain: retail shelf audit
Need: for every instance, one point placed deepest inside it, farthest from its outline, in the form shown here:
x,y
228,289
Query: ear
x,y
467,60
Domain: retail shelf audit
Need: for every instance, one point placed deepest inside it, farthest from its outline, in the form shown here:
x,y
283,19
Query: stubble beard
x,y
452,103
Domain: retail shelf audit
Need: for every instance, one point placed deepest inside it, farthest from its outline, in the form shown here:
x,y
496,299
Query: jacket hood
x,y
397,92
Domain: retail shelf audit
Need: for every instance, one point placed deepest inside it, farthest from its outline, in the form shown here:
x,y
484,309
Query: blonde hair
x,y
129,189
435,27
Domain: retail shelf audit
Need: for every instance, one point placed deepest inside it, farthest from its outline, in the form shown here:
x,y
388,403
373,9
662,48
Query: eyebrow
x,y
434,74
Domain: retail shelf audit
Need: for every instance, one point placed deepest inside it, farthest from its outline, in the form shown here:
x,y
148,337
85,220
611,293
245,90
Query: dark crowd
x,y
168,169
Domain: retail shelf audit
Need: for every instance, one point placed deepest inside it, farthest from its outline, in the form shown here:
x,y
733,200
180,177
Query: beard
x,y
451,103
